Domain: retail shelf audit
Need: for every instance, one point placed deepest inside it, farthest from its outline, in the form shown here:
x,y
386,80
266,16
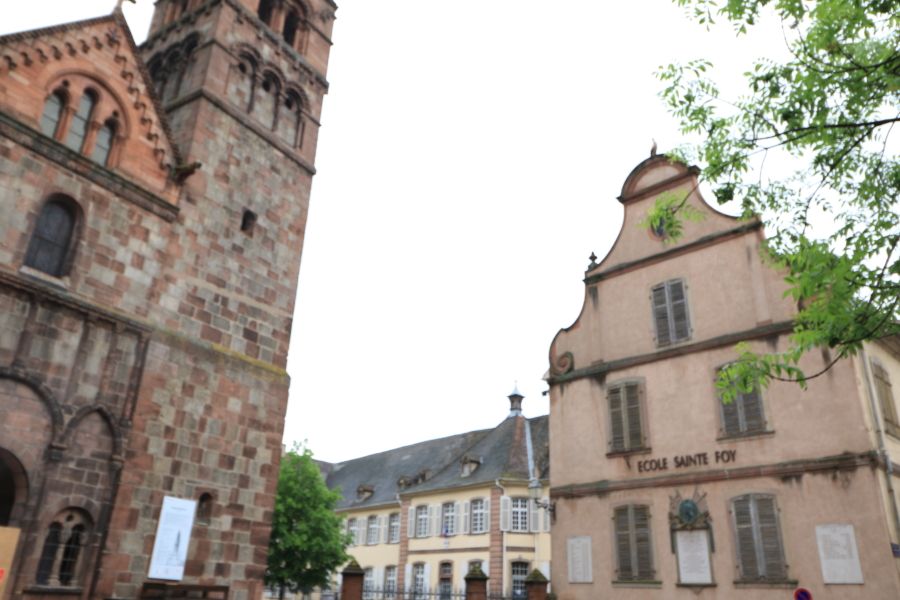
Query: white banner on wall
x,y
173,536
838,554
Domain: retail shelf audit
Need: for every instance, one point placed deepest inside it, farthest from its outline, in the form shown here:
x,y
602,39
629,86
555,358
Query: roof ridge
x,y
51,29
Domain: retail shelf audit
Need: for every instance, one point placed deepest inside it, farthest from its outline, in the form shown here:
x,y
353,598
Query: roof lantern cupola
x,y
515,402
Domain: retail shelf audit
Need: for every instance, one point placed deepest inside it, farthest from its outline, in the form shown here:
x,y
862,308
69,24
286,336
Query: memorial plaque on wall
x,y
173,536
693,557
838,554
579,557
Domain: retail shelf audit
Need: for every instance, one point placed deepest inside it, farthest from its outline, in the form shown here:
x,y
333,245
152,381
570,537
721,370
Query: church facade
x,y
663,491
155,201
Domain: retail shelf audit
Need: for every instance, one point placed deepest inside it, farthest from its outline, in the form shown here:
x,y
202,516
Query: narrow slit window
x,y
103,144
248,221
80,120
52,114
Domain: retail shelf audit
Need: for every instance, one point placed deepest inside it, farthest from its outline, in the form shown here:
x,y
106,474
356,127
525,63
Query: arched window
x,y
71,552
52,114
103,143
51,242
267,101
290,119
80,120
266,9
291,27
61,555
48,553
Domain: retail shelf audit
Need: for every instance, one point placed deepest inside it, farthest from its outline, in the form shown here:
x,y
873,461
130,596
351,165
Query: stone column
x,y
476,584
536,585
352,581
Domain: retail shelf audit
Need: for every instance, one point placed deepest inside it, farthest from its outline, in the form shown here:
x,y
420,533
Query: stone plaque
x,y
693,556
578,550
173,536
838,554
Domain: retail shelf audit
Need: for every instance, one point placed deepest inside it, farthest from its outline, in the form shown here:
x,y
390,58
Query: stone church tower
x,y
155,203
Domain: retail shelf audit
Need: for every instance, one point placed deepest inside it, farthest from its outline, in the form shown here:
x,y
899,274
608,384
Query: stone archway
x,y
13,489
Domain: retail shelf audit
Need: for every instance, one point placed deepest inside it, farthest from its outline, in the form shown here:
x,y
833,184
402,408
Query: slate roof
x,y
437,464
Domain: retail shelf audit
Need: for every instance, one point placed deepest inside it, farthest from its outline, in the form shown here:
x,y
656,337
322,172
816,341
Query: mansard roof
x,y
437,465
22,49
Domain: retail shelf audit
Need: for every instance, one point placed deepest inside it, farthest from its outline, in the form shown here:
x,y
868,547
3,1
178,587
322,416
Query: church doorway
x,y
13,489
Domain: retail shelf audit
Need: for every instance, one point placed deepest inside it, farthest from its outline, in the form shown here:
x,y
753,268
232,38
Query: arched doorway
x,y
13,489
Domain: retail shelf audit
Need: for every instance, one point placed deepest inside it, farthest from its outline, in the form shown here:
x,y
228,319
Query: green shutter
x,y
623,544
661,315
769,537
752,411
616,420
633,416
746,546
643,550
681,327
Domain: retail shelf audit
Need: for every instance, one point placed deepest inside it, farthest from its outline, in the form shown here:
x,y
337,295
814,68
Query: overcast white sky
x,y
469,162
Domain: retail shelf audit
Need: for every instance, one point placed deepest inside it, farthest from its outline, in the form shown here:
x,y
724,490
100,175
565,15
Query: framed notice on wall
x,y
838,554
578,550
692,548
173,536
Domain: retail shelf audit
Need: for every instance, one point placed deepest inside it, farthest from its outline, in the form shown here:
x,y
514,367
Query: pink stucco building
x,y
660,490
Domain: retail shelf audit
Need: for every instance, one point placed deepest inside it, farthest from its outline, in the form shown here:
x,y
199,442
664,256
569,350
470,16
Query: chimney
x,y
515,403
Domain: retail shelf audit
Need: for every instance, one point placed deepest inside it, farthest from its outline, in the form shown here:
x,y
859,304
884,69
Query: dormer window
x,y
364,492
469,465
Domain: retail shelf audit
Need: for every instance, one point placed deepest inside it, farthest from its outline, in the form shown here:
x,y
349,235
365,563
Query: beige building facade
x,y
421,516
662,491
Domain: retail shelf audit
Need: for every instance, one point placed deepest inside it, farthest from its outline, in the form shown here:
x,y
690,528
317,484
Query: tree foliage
x,y
829,109
308,542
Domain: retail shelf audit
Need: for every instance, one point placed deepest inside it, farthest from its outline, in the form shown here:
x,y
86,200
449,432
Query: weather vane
x,y
120,2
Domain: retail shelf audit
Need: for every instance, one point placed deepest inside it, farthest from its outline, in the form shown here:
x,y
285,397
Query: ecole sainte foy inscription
x,y
683,461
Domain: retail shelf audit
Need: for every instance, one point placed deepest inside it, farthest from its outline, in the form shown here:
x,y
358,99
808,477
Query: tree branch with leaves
x,y
833,222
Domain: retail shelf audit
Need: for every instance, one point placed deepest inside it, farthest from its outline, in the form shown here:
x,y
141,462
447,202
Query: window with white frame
x,y
394,528
352,530
634,552
520,514
519,574
390,582
368,584
421,521
445,580
670,312
448,518
372,530
418,582
626,431
759,548
479,516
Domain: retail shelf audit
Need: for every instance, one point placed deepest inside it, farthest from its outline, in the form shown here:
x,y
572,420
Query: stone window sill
x,y
641,583
739,437
695,585
772,584
57,282
629,452
53,590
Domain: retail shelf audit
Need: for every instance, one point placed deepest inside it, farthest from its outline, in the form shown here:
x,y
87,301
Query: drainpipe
x,y
502,536
882,450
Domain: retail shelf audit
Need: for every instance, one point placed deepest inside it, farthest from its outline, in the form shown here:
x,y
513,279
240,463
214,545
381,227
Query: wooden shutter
x,y
534,516
746,545
457,518
546,519
623,544
885,393
411,523
633,416
487,516
643,549
731,420
427,577
434,520
752,411
661,315
505,513
385,529
465,522
680,323
616,420
407,577
770,537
